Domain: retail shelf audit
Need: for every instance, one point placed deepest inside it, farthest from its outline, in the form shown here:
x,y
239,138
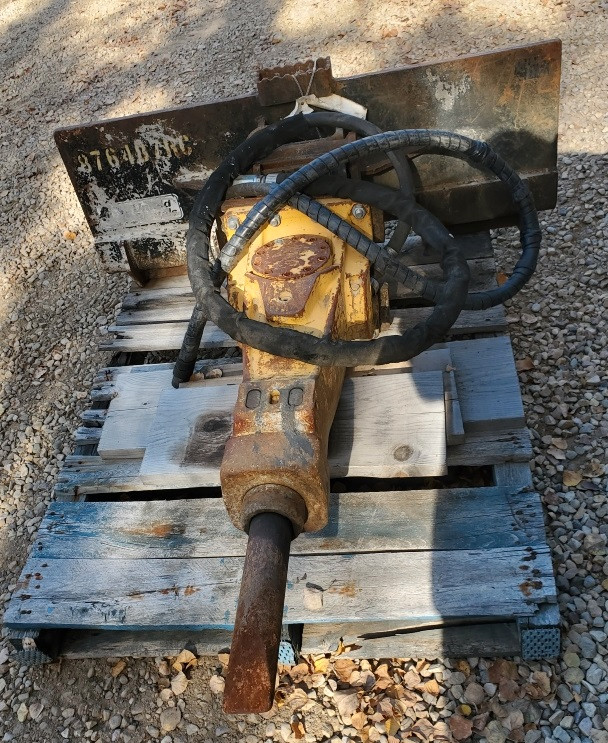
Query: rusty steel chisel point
x,y
252,668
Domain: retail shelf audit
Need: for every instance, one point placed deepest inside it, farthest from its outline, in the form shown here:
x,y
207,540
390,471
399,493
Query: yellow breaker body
x,y
295,274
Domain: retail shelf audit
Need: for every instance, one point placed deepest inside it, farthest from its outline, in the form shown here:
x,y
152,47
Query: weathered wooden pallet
x,y
138,557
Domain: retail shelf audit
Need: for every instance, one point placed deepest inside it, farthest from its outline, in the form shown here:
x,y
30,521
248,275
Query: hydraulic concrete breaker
x,y
300,300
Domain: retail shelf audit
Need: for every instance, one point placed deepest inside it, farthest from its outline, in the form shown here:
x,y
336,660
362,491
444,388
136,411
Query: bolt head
x,y
275,221
232,222
358,211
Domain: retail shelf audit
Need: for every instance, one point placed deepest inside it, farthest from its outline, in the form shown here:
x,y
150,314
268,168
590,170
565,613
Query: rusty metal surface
x,y
254,652
278,85
509,98
291,257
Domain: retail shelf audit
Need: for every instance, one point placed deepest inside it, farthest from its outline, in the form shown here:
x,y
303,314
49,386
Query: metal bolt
x,y
358,211
275,221
232,222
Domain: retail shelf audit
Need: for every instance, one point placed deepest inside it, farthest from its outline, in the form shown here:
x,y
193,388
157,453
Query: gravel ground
x,y
67,63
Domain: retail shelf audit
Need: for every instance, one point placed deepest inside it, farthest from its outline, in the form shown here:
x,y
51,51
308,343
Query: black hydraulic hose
x,y
204,210
399,161
285,342
282,341
445,143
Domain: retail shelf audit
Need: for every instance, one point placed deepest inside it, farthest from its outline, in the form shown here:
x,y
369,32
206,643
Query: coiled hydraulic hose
x,y
450,296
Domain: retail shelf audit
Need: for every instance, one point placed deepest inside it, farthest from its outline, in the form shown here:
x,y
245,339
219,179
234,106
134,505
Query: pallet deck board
x,y
452,519
484,374
92,475
201,593
370,435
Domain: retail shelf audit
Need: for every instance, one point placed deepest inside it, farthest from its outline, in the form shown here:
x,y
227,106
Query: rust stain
x,y
155,530
529,585
24,583
167,591
189,590
348,589
135,595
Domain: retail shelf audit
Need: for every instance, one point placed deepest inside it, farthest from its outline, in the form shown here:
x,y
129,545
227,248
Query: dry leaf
x,y
463,666
343,669
508,690
297,699
411,679
118,668
382,684
542,680
358,720
432,687
321,665
347,702
382,671
389,33
70,235
298,730
501,278
406,701
223,658
480,721
299,672
502,669
164,669
362,679
176,666
571,479
179,683
524,364
385,707
460,727
185,657
216,684
391,726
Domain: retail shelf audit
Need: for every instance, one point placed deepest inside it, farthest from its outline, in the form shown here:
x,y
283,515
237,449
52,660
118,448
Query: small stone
x,y
270,730
285,731
574,675
22,712
571,660
115,722
494,732
587,646
594,674
564,693
36,710
585,726
170,719
474,693
191,729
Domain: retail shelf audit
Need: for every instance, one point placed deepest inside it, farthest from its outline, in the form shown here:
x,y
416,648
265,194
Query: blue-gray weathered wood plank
x,y
467,518
199,593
